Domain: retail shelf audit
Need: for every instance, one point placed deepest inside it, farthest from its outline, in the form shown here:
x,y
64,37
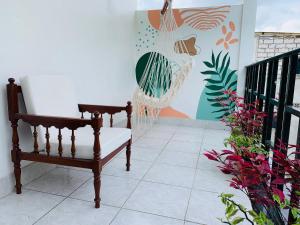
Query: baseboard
x,y
29,173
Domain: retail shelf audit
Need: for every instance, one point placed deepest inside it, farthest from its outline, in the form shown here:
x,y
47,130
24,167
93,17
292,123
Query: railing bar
x,y
246,85
272,94
293,110
282,93
267,104
289,97
261,85
295,187
274,102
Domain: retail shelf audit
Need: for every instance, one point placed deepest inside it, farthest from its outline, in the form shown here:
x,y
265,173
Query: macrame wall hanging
x,y
161,72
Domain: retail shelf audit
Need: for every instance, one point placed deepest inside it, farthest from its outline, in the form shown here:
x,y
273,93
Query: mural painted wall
x,y
212,39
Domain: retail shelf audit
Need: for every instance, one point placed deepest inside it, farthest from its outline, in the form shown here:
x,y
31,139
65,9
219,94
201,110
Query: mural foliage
x,y
220,79
211,36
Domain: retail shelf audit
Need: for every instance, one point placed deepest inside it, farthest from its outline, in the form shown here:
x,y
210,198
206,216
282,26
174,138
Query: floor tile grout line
x,y
140,181
40,218
195,173
154,214
122,207
65,198
23,187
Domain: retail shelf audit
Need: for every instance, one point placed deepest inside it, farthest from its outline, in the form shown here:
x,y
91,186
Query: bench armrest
x,y
58,122
102,109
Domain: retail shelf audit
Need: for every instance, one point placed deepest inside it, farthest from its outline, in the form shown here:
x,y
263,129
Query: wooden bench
x,y
60,133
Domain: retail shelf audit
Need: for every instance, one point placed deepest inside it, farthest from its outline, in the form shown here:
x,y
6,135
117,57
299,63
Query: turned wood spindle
x,y
35,143
82,116
47,141
97,124
73,148
129,112
16,157
60,148
111,120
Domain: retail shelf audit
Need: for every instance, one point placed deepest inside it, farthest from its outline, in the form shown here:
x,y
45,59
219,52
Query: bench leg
x,y
128,154
97,186
17,172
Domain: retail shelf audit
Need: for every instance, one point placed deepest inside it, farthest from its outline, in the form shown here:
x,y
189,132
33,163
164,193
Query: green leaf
x,y
229,76
223,63
216,99
227,195
229,209
233,213
219,117
215,87
212,81
213,58
217,60
216,105
216,93
208,64
295,212
220,110
252,213
276,199
237,220
225,71
232,85
210,72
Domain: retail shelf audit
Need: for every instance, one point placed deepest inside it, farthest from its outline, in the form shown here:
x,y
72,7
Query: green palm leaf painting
x,y
220,79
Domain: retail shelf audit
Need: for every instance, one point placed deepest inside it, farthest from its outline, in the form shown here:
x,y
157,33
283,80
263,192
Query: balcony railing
x,y
271,82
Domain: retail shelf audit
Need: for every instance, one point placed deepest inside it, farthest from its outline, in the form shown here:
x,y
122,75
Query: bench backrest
x,y
49,95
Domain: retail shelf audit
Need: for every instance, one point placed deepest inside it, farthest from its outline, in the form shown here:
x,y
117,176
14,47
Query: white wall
x,y
90,41
247,45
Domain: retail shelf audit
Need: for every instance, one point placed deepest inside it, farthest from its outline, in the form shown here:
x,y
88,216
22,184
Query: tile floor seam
x,y
39,219
181,166
23,187
194,178
154,214
141,180
62,200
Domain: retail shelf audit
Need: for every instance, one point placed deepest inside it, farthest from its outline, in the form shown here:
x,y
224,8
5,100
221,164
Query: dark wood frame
x,y
96,122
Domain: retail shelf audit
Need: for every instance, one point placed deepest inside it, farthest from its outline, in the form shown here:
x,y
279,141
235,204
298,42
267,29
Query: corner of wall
x,y
247,45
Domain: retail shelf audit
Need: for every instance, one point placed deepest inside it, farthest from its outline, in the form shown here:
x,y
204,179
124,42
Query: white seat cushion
x,y
55,96
110,140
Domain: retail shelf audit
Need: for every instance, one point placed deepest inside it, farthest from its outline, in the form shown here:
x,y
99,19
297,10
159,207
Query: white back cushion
x,y
49,95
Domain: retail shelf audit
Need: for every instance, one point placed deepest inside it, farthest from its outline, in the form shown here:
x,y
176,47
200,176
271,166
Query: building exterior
x,y
269,44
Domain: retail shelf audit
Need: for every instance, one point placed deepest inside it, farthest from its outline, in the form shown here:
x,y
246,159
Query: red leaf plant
x,y
251,171
246,119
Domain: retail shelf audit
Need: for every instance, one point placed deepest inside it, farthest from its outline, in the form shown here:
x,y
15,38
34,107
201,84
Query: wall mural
x,y
211,36
220,79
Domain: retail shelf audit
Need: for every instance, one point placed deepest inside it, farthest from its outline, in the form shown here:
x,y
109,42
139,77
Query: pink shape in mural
x,y
205,18
228,38
187,46
154,19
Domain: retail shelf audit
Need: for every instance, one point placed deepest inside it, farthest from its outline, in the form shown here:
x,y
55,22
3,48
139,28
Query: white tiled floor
x,y
170,183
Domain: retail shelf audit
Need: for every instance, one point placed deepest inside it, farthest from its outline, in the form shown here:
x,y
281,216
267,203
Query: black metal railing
x,y
271,82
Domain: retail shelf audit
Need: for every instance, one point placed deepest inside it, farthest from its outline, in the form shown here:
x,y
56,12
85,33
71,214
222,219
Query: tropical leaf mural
x,y
221,78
